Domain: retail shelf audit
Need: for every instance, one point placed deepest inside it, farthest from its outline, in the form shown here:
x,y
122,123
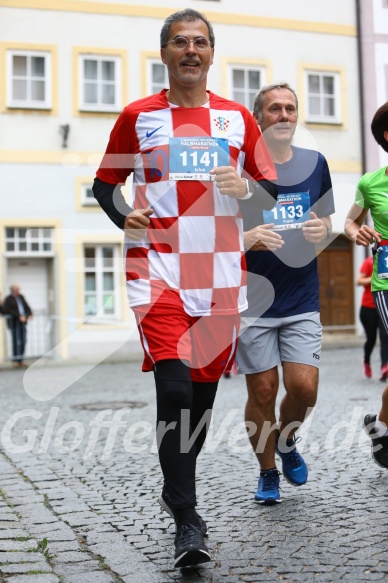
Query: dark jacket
x,y
10,308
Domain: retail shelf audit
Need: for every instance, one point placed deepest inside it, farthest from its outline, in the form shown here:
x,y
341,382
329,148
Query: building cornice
x,y
117,9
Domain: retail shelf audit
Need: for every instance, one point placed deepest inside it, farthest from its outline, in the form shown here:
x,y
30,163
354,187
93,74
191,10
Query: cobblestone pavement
x,y
78,500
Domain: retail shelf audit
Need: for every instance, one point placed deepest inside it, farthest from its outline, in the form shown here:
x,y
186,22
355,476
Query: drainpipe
x,y
361,83
362,103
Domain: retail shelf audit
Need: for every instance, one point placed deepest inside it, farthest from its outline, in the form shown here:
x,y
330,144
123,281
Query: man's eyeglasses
x,y
181,42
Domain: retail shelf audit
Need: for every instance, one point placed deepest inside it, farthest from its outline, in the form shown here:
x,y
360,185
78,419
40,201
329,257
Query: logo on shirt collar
x,y
151,133
222,124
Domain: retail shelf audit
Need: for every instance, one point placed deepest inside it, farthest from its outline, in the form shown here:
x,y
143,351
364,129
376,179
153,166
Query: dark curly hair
x,y
379,126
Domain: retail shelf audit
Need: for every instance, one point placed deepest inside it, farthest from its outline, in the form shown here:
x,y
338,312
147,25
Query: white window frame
x,y
85,199
30,241
99,106
99,292
29,103
154,87
248,94
321,117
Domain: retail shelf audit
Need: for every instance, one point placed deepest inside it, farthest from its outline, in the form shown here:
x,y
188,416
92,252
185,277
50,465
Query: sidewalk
x,y
135,352
332,340
79,481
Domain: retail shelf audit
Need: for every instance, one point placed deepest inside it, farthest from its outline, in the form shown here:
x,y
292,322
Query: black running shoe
x,y
190,548
165,504
379,444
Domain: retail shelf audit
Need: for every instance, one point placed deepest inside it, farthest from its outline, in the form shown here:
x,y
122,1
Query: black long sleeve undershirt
x,y
111,200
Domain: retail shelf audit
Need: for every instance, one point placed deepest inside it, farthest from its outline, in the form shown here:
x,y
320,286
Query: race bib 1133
x,y
290,211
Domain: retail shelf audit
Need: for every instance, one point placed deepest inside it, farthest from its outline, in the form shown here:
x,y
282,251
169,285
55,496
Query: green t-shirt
x,y
372,194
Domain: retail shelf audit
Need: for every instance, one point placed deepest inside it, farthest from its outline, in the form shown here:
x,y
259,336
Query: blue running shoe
x,y
294,467
268,488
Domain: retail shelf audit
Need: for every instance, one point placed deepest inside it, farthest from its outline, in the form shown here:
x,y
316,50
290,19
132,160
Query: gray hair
x,y
188,15
260,96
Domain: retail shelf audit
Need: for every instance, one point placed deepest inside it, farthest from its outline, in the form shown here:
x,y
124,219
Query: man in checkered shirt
x,y
194,156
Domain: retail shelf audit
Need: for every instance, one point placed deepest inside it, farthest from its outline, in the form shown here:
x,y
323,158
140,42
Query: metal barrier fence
x,y
39,335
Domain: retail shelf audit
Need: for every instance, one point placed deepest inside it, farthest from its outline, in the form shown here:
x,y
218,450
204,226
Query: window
x,y
101,280
87,196
29,83
28,241
323,101
245,82
100,83
84,198
157,76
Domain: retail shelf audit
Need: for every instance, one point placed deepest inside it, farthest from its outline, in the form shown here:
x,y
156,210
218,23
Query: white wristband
x,y
248,193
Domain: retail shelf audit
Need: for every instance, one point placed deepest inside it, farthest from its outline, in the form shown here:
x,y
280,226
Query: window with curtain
x,y
100,83
101,281
29,79
245,82
156,76
323,97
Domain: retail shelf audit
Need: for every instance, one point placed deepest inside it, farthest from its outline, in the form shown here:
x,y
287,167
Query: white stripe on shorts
x,y
381,305
145,343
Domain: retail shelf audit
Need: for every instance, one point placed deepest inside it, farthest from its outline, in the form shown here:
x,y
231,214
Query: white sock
x,y
381,428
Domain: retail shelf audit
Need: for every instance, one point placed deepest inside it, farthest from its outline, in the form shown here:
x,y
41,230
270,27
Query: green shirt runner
x,y
372,194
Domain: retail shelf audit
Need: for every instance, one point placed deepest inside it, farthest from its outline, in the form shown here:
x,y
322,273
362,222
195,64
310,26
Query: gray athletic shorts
x,y
267,342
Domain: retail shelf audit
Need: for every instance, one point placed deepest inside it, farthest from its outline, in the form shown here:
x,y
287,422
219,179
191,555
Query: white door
x,y
31,275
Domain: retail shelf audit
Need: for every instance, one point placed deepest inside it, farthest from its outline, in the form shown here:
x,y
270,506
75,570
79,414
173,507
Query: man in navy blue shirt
x,y
282,320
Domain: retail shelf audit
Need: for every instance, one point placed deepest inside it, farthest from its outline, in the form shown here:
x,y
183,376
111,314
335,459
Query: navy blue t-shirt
x,y
293,269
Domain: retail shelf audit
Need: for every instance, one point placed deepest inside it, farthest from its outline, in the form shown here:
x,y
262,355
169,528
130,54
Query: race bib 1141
x,y
290,211
192,158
